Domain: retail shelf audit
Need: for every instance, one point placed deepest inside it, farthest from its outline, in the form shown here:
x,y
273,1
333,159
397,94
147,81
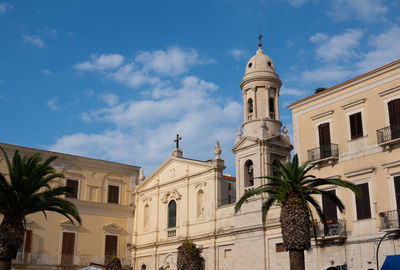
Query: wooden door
x,y
111,245
394,118
324,140
68,244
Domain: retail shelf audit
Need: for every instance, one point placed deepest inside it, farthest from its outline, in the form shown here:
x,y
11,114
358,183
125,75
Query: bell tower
x,y
261,140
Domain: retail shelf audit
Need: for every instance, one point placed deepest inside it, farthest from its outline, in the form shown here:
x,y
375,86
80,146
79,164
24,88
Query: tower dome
x,y
260,67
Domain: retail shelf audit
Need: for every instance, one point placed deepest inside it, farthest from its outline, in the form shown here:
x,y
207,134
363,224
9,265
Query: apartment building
x,y
351,131
103,196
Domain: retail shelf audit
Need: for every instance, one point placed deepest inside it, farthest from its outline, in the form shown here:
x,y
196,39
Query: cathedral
x,y
191,199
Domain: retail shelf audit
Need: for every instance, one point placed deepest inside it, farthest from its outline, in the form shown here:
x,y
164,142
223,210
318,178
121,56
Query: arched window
x,y
143,267
275,164
250,105
271,108
146,217
248,174
200,203
172,214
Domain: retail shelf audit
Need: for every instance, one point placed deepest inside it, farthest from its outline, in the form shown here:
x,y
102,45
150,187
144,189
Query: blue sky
x,y
116,80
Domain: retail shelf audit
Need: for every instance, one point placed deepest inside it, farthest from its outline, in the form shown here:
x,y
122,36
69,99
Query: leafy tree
x,y
294,190
189,257
27,191
320,89
113,263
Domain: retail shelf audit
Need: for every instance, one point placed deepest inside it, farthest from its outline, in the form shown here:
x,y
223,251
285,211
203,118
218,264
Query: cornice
x,y
320,115
354,103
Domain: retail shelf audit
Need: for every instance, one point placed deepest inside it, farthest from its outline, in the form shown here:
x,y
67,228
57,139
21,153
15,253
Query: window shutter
x,y
28,241
328,207
356,125
397,190
113,194
72,184
394,112
363,204
111,245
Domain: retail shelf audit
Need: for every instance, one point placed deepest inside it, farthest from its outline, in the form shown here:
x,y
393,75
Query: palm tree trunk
x,y
5,265
296,258
11,238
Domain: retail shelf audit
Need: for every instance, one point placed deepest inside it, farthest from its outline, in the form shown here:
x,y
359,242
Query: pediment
x,y
245,142
174,169
112,227
281,141
68,224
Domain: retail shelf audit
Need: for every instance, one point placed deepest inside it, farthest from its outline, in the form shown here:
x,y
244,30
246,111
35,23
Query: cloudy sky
x,y
116,80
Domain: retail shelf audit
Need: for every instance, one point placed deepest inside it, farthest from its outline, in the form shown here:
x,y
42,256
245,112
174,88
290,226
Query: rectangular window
x,y
362,204
111,245
356,129
227,253
74,184
279,247
328,207
113,194
28,241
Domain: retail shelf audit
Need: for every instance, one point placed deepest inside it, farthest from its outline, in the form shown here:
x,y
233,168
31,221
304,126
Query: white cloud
x,y
385,49
52,103
366,10
325,74
318,37
46,71
4,7
147,68
297,3
34,40
144,129
110,99
292,92
338,46
174,61
101,62
237,53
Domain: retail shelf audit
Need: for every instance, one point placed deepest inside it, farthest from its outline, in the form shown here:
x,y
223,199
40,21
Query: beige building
x,y
352,131
104,200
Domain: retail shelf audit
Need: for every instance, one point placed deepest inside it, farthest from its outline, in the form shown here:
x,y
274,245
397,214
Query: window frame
x,y
356,134
176,215
105,242
372,213
119,192
78,188
363,124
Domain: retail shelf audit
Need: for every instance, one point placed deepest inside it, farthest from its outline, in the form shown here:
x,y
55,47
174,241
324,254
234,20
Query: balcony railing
x,y
172,233
388,134
323,152
390,220
336,229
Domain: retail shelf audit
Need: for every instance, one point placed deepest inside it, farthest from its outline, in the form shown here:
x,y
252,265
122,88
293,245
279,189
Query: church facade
x,y
191,199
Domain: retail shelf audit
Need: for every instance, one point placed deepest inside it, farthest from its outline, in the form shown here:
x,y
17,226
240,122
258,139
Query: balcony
x,y
388,136
336,231
324,153
389,220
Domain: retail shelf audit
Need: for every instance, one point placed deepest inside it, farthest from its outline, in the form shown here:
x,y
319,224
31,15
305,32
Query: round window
x,y
250,64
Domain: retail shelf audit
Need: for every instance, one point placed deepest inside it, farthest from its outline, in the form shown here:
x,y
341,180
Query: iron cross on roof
x,y
260,39
177,140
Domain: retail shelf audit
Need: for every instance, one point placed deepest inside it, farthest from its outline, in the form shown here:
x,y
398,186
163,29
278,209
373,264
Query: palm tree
x,y
293,189
27,191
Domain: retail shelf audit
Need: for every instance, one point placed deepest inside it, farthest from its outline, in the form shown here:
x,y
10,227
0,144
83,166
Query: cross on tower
x,y
177,140
260,39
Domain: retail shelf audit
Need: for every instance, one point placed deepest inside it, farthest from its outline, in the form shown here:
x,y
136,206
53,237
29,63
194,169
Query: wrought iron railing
x,y
323,151
388,133
171,233
335,227
389,219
